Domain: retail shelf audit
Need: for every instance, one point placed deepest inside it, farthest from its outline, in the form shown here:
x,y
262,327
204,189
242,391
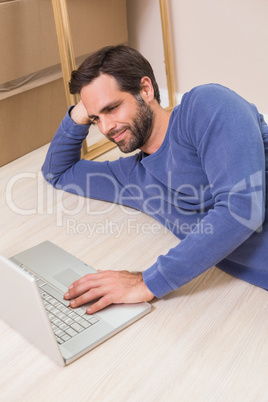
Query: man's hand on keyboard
x,y
108,287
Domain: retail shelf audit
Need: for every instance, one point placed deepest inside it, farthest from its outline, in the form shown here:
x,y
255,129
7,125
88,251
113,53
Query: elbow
x,y
257,220
253,219
260,218
247,204
49,176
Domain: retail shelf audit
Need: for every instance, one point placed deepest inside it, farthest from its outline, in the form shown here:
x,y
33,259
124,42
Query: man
x,y
200,172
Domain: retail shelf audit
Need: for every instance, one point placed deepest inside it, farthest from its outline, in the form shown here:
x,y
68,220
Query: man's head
x,y
123,118
117,86
123,63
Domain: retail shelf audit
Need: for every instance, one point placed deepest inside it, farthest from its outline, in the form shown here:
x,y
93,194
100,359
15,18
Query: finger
x,y
99,305
87,297
87,277
80,289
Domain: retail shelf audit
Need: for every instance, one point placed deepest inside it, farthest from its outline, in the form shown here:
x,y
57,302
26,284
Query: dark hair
x,y
123,63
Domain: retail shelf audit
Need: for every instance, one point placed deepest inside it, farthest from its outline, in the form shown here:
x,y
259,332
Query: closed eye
x,y
93,120
107,109
110,109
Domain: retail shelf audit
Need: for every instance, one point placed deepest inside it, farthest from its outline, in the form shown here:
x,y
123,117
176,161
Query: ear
x,y
147,90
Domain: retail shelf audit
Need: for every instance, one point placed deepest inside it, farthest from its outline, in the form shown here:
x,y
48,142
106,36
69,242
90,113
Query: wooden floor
x,y
207,341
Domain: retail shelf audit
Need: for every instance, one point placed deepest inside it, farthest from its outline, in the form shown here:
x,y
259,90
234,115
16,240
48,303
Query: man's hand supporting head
x,y
79,114
108,287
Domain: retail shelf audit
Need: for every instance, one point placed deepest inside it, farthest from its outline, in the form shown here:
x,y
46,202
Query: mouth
x,y
119,136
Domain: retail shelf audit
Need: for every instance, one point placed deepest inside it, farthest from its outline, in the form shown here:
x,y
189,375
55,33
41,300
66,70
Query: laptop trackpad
x,y
67,277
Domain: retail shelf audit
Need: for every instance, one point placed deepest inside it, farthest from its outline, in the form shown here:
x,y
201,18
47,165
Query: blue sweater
x,y
206,183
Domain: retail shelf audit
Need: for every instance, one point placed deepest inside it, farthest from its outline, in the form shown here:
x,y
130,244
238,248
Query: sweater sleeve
x,y
225,132
64,169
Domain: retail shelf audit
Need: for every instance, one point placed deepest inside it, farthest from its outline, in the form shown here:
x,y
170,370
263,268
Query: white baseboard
x,y
165,102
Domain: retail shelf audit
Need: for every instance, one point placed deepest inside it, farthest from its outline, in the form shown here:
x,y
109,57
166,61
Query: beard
x,y
140,129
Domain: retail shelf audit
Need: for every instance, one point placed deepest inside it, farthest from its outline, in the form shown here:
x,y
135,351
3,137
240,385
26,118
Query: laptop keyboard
x,y
66,322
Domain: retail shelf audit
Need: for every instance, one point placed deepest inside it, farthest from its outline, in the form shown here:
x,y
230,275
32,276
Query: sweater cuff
x,y
71,128
155,282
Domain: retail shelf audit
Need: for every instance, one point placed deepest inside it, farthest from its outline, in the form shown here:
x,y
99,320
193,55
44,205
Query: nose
x,y
106,124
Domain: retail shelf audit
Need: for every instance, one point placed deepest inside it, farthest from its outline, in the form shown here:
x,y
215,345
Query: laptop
x,y
34,282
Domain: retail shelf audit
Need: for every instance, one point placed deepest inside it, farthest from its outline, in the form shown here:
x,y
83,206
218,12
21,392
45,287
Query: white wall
x,y
144,32
224,41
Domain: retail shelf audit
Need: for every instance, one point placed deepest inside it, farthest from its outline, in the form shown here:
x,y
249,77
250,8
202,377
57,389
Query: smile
x,y
119,136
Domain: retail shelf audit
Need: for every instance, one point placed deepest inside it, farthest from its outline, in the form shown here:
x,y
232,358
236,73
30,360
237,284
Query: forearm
x,y
64,169
212,240
64,150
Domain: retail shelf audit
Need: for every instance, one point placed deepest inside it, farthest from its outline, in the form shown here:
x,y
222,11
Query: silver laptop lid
x,y
22,308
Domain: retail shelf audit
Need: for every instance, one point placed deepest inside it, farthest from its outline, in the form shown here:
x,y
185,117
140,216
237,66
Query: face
x,y
123,118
